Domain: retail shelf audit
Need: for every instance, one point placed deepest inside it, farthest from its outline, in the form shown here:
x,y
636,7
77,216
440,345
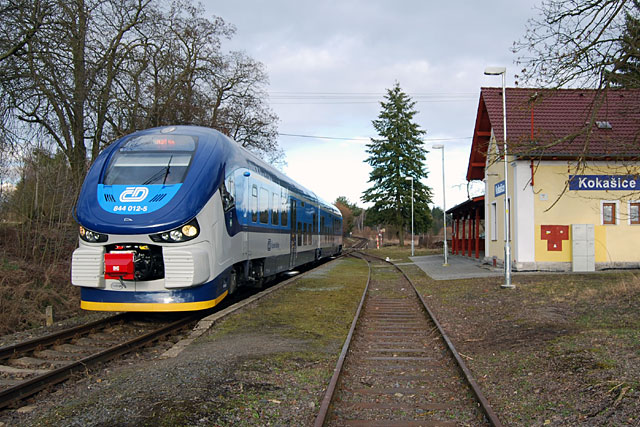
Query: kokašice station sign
x,y
604,182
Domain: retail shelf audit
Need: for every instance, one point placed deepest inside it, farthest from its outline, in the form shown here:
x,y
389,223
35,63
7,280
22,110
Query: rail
x,y
326,401
330,393
31,386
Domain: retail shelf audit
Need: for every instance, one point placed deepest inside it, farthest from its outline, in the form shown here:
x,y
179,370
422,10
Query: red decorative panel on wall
x,y
554,235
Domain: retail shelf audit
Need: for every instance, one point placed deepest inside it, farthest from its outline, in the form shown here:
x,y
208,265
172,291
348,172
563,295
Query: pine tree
x,y
395,156
626,72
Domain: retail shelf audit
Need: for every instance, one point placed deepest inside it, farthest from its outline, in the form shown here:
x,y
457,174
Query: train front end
x,y
145,213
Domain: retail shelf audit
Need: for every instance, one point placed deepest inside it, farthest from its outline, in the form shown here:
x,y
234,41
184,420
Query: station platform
x,y
459,267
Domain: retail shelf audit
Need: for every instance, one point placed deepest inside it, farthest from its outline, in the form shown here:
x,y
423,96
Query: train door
x,y
293,245
247,215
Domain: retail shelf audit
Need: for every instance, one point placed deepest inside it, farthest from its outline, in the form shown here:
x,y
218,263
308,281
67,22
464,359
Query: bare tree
x,y
587,44
575,42
181,76
238,98
88,71
182,52
21,21
71,61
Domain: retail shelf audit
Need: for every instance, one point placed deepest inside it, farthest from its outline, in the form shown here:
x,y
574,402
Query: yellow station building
x,y
573,179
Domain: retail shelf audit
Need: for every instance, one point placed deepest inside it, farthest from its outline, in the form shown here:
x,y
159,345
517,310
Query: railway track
x,y
397,366
31,366
358,243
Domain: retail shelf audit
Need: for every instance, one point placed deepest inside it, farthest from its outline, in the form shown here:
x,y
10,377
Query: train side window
x,y
299,233
284,210
284,214
254,203
275,204
323,229
227,192
263,205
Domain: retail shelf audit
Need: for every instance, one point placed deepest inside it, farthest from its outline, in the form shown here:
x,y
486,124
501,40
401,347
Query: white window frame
x,y
494,221
617,213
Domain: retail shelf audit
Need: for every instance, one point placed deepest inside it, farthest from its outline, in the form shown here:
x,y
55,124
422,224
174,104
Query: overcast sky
x,y
330,62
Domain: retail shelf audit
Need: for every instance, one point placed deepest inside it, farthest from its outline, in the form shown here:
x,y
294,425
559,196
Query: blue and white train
x,y
176,218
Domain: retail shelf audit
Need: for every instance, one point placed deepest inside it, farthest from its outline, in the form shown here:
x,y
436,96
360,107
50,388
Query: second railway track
x,y
397,367
37,364
31,366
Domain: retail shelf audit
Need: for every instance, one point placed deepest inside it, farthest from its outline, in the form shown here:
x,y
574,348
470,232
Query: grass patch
x,y
401,254
318,308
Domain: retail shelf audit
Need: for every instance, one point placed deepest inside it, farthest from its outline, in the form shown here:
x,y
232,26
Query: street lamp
x,y
444,205
410,178
496,71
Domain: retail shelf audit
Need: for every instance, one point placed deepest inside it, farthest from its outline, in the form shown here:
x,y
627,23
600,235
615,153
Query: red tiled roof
x,y
556,123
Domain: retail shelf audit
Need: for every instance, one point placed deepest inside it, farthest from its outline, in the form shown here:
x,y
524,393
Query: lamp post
x,y
496,71
410,178
444,206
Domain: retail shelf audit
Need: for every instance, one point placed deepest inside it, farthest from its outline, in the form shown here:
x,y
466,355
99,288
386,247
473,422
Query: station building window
x,y
634,212
609,212
494,221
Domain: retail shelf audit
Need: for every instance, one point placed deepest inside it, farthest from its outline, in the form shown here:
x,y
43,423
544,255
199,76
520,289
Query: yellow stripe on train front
x,y
142,306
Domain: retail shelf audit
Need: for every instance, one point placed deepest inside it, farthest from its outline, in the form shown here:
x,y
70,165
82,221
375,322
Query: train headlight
x,y
91,236
189,230
181,234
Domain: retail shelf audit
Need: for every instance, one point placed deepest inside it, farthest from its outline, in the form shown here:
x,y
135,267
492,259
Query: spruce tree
x,y
398,153
626,67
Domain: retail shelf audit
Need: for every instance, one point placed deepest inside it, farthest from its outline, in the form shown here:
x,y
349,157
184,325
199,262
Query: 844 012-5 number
x,y
121,208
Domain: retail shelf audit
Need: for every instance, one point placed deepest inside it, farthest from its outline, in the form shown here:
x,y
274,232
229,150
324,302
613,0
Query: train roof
x,y
215,155
263,168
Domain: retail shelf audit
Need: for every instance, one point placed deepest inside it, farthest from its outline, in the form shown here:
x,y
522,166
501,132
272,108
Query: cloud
x,y
330,168
364,46
293,58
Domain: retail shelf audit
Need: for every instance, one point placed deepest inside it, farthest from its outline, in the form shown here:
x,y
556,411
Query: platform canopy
x,y
468,208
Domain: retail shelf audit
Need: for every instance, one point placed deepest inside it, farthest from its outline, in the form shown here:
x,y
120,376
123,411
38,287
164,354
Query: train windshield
x,y
151,159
